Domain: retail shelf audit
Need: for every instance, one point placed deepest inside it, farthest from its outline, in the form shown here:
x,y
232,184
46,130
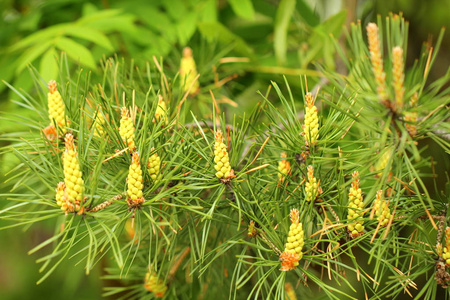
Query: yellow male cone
x,y
161,110
382,161
73,181
155,285
154,167
355,208
381,208
311,126
56,108
377,60
312,189
126,129
293,250
135,182
221,159
99,122
188,72
446,251
398,76
60,194
284,167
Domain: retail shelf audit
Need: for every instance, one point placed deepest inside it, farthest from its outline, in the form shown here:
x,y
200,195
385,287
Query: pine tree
x,y
199,205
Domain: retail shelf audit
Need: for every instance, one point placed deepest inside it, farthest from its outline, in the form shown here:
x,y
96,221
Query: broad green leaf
x,y
41,36
321,40
7,70
186,28
176,9
307,14
333,25
49,67
30,22
159,20
31,54
76,51
89,9
214,30
122,24
101,15
158,46
243,8
90,34
282,19
209,11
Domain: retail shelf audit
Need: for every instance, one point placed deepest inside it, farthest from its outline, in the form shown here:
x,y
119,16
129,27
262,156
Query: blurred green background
x,y
276,36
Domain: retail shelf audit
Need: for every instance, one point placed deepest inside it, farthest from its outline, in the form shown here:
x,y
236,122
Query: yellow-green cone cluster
x,y
161,111
377,60
221,160
293,250
284,167
312,188
135,182
382,162
56,108
154,167
290,292
398,76
126,129
155,285
411,116
311,126
188,72
446,250
355,208
98,126
381,208
73,180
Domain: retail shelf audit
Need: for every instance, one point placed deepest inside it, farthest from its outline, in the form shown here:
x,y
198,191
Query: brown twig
x,y
178,262
106,203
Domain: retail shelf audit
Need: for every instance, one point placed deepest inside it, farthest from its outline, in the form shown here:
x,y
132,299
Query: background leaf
x,y
243,8
49,67
186,27
76,51
90,34
214,30
282,20
31,54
